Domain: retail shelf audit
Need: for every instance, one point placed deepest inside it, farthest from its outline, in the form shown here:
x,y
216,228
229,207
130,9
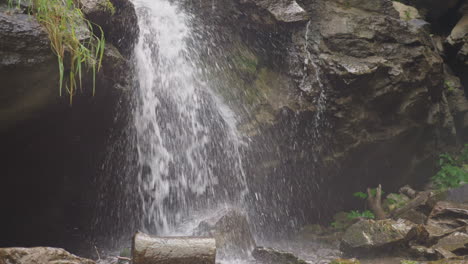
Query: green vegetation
x,y
108,6
453,170
449,86
407,15
68,33
357,214
409,262
364,196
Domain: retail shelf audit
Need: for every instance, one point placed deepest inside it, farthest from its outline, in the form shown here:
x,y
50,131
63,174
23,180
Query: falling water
x,y
188,146
319,120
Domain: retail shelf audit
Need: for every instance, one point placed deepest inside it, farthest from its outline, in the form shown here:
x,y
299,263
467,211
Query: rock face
x,y
352,97
41,255
385,81
24,51
34,119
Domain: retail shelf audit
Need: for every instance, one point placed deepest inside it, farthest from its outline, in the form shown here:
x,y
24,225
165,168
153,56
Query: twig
x,y
97,252
124,258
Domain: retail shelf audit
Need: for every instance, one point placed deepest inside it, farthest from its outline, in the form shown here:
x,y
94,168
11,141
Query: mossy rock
x,y
345,261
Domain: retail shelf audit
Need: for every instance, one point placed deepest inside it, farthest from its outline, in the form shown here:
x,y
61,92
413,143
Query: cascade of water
x,y
320,101
188,146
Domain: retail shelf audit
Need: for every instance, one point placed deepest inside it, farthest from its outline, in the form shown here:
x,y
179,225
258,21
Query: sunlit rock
x,y
406,12
42,255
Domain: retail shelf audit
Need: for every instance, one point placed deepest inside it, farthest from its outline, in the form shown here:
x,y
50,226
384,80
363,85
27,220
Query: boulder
x,y
98,11
449,215
231,230
454,242
122,28
369,236
286,11
42,255
458,195
406,12
274,256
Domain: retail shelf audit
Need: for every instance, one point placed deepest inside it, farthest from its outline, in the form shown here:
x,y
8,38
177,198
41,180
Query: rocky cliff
x,y
340,94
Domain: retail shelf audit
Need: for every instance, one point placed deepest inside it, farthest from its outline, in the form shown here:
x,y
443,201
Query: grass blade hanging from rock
x,y
64,23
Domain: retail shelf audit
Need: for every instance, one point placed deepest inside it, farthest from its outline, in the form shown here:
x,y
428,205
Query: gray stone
x,y
42,255
373,236
274,256
453,242
460,194
231,230
449,215
282,10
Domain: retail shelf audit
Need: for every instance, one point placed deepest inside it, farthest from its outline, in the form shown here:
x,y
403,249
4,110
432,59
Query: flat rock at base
x,y
274,256
40,255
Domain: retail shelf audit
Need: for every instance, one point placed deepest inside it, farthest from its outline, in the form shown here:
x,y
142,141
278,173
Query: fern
x,y
453,170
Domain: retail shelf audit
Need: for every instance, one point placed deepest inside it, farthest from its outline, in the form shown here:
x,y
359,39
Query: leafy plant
x,y
360,195
453,170
407,15
357,214
449,85
65,25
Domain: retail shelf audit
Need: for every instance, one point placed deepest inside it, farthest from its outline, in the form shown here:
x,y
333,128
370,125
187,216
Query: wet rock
x,y
374,236
41,255
98,11
454,242
24,51
274,256
122,28
418,251
459,34
458,195
115,68
414,216
449,215
282,10
231,230
449,261
457,102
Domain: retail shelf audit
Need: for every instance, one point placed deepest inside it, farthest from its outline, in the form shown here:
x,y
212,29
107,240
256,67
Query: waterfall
x,y
188,146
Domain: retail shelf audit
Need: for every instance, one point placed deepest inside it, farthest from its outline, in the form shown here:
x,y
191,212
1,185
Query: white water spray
x,y
188,146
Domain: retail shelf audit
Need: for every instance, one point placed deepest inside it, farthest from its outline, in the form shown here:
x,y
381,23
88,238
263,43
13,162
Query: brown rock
x,y
39,255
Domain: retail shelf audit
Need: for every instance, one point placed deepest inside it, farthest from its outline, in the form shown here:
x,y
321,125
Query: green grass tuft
x,y
64,22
